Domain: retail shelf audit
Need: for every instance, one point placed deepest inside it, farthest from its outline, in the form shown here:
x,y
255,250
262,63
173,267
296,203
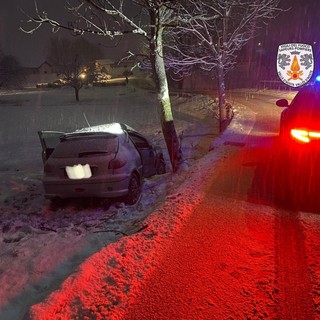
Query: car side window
x,y
140,142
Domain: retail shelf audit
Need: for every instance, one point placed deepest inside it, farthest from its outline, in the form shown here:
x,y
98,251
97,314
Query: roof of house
x,y
45,62
105,61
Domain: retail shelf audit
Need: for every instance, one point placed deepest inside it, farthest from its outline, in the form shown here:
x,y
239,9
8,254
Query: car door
x,y
49,140
148,155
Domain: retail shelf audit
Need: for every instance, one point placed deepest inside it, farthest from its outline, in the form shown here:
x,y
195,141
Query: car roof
x,y
309,92
108,130
114,128
87,135
306,102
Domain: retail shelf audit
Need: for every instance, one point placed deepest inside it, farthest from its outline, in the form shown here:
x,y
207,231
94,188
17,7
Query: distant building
x,y
104,66
117,68
42,74
46,68
46,72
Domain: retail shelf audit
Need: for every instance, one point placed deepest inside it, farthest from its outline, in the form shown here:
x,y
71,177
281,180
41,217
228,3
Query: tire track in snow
x,y
291,268
292,274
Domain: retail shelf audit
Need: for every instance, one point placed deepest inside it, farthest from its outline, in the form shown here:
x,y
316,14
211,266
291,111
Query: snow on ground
x,y
44,244
124,266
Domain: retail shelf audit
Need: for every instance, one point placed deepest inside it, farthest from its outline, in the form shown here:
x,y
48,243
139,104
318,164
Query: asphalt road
x,y
242,253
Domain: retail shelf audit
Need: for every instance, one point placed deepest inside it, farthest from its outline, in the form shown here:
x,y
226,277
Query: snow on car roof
x,y
114,128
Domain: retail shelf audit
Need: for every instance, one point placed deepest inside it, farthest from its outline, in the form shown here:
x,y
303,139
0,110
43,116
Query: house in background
x,y
45,73
117,69
103,66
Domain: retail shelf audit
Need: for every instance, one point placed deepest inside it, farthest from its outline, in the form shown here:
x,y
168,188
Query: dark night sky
x,y
31,49
300,24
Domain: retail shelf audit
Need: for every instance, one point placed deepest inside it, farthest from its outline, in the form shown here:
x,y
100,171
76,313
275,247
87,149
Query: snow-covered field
x,y
41,245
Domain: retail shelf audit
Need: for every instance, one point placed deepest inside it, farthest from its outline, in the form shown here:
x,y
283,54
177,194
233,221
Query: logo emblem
x,y
295,63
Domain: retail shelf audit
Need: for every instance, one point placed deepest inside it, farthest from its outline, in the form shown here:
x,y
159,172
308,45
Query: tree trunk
x,y
223,120
76,91
222,99
164,106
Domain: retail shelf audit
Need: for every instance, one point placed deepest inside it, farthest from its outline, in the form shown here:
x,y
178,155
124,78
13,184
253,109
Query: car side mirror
x,y
282,103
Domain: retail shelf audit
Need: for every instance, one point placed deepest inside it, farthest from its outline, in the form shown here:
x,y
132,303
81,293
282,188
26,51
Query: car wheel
x,y
161,168
134,190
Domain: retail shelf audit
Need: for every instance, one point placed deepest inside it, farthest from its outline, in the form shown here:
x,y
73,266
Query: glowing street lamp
x,y
82,75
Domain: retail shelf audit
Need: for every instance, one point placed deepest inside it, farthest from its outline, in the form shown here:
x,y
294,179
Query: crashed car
x,y
105,161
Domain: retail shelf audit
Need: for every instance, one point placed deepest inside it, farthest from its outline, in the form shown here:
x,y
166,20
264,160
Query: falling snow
x,y
93,260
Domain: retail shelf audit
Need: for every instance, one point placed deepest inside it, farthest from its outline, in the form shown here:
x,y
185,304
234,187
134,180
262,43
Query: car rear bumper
x,y
301,163
299,151
110,187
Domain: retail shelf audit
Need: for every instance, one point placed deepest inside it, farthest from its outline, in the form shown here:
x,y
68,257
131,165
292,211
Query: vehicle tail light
x,y
315,135
304,135
116,163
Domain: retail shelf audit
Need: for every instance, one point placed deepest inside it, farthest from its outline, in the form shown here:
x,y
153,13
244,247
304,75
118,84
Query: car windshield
x,y
86,147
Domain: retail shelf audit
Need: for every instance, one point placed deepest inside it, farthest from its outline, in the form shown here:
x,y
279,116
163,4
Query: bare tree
x,y
73,59
116,18
210,34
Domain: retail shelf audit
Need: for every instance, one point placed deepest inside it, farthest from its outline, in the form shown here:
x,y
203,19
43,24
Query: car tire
x,y
134,190
161,167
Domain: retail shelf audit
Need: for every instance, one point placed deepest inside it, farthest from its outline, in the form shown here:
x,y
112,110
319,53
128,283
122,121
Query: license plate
x,y
78,172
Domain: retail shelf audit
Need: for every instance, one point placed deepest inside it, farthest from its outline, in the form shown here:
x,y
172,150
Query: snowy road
x,y
236,257
234,251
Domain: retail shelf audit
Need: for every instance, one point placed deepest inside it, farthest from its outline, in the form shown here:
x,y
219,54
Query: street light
x,y
82,75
